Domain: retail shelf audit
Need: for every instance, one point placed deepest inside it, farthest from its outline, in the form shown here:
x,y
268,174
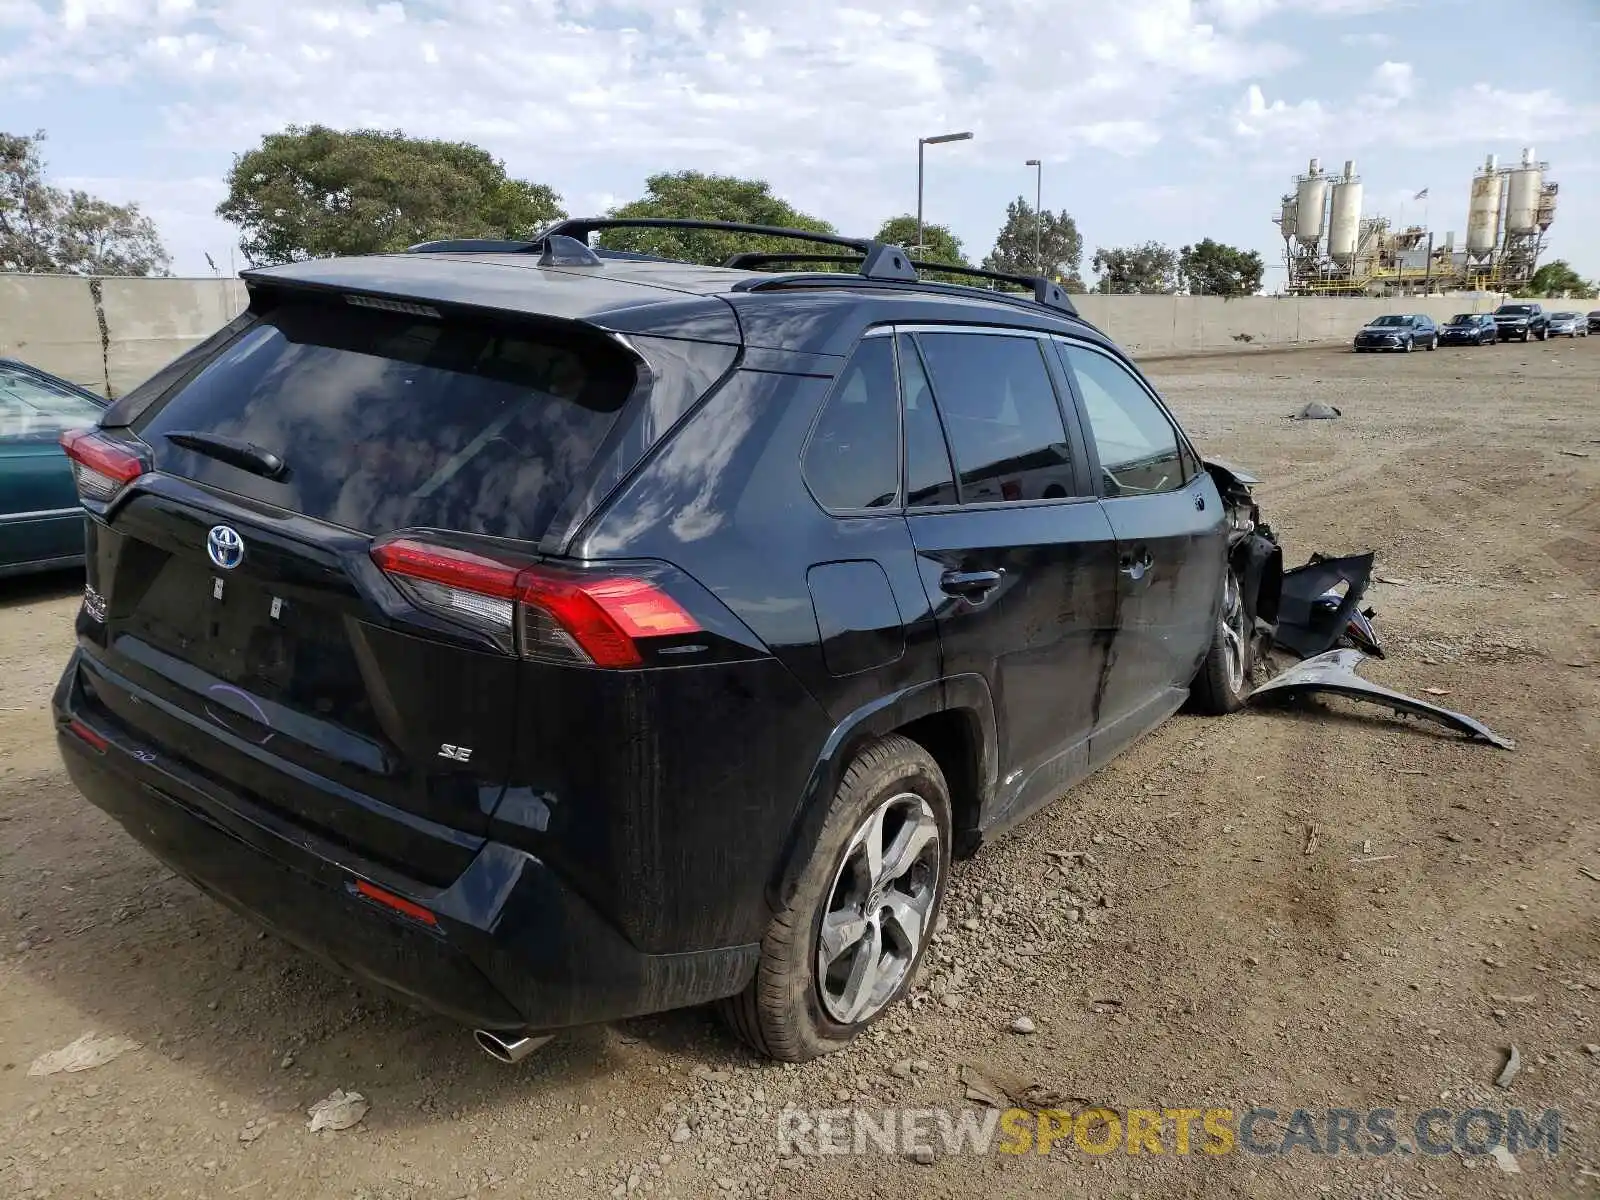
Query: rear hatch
x,y
242,616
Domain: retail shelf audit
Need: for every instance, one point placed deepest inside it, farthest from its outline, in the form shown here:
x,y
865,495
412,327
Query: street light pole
x,y
1038,218
921,144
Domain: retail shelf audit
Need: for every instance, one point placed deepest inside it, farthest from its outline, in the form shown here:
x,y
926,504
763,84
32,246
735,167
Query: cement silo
x,y
1483,213
1311,198
1344,221
1523,194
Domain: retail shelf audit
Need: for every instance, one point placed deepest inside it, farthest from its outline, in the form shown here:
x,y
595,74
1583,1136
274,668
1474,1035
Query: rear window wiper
x,y
236,452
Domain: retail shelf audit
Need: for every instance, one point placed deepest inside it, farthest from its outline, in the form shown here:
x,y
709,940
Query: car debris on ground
x,y
1335,672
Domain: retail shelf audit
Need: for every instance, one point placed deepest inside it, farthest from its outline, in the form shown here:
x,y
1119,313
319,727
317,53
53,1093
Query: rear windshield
x,y
388,421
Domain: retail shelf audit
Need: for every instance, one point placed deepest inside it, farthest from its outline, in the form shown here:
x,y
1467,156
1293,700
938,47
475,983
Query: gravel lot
x,y
1210,959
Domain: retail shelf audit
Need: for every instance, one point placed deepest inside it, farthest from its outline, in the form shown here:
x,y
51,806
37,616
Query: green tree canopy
x,y
1214,269
696,196
310,192
1151,267
939,244
1557,278
55,231
1060,242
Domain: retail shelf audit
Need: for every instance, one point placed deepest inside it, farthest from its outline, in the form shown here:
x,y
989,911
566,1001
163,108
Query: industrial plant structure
x,y
1331,249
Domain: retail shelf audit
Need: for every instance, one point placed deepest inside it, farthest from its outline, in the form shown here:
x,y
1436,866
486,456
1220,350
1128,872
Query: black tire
x,y
1221,685
1411,345
1433,342
781,1013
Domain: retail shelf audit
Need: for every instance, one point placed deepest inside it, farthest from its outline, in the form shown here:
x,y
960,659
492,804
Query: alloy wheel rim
x,y
1231,627
879,909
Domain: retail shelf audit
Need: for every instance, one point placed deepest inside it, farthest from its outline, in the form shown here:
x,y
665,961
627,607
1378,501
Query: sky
x,y
1170,120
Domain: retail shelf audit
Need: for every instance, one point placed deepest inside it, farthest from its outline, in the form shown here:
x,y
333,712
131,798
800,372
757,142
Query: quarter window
x,y
1138,446
1000,411
853,459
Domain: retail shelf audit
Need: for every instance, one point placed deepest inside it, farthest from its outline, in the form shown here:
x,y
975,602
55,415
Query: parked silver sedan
x,y
1568,324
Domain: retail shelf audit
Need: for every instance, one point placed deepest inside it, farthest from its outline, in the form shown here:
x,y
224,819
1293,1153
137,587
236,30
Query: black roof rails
x,y
878,261
566,242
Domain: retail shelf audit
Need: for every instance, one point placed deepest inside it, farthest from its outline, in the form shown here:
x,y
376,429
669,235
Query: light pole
x,y
1038,199
921,144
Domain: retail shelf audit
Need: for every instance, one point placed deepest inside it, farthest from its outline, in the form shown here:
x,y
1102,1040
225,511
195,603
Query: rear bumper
x,y
512,948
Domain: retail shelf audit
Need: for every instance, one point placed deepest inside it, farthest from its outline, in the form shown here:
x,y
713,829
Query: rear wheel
x,y
1223,680
848,944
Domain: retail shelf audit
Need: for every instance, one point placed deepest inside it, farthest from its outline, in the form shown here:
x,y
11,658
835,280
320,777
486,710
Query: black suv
x,y
1521,321
1469,329
553,635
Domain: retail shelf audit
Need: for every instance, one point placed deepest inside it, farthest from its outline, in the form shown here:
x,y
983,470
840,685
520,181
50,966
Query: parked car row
x,y
1518,321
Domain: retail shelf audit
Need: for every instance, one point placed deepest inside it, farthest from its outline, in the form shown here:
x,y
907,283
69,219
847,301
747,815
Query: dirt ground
x,y
1209,954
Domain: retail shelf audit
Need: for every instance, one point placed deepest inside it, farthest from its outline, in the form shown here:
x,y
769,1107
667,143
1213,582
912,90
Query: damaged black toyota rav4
x,y
552,635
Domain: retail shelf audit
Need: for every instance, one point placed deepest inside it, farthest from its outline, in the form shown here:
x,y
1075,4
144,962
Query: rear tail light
x,y
101,467
84,734
590,617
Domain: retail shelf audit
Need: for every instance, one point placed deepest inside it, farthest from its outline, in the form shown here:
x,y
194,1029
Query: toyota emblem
x,y
225,547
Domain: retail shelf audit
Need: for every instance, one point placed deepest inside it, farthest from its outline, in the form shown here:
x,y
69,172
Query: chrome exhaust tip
x,y
508,1049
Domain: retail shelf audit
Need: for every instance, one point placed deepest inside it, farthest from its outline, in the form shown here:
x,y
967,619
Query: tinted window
x,y
853,460
1390,321
929,479
1463,319
1137,444
1000,411
388,420
1514,310
38,410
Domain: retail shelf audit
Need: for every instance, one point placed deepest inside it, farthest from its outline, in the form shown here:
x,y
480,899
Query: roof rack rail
x,y
474,246
874,261
878,260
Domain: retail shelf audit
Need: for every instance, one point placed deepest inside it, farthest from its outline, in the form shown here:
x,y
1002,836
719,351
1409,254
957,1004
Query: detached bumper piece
x,y
1334,672
1315,611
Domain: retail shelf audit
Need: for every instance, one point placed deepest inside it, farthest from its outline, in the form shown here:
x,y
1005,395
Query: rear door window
x,y
388,420
929,478
34,409
1002,416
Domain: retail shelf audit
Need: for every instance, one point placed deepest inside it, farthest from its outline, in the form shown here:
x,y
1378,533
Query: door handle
x,y
1136,566
974,585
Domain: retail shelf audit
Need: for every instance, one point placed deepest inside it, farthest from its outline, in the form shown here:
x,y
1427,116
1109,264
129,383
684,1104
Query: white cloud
x,y
1394,81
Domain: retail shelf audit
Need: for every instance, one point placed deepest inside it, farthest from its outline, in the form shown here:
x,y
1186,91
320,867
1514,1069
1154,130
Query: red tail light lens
x,y
565,616
399,904
101,467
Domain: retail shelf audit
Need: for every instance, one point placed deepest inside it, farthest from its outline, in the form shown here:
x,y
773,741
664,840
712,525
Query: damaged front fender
x,y
1335,672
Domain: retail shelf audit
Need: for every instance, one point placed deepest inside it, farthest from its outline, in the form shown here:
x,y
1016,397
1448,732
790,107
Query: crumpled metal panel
x,y
1335,672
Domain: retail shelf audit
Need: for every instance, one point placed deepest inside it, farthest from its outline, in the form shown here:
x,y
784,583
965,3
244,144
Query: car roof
x,y
668,298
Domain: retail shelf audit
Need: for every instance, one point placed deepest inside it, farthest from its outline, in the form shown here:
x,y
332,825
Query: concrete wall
x,y
108,334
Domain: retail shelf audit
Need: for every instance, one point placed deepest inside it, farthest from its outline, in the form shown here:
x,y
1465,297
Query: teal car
x,y
41,522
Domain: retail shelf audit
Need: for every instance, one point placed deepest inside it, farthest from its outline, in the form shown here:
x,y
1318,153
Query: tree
x,y
1559,279
310,191
45,229
938,243
1151,267
694,195
1214,269
1060,243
